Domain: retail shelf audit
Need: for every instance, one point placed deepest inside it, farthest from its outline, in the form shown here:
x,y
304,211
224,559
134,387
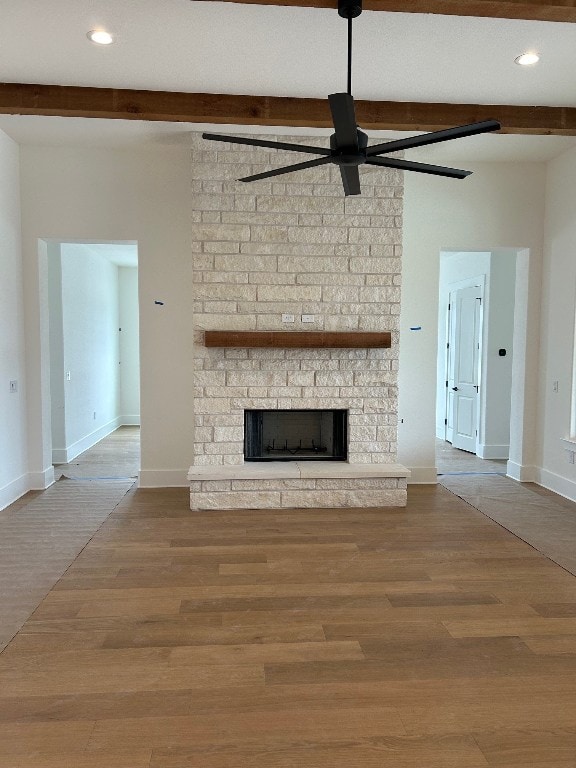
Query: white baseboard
x,y
524,473
560,485
39,481
59,456
163,478
31,481
423,476
13,490
65,455
132,420
485,451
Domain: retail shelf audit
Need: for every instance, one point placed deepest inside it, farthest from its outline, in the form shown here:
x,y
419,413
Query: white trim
x,y
493,451
39,481
132,420
91,439
59,456
423,476
560,485
163,478
65,455
524,473
13,491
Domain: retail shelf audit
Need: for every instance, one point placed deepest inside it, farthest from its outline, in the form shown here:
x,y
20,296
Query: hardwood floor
x,y
426,637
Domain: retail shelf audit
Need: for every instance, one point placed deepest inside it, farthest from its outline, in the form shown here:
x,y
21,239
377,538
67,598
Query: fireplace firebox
x,y
292,435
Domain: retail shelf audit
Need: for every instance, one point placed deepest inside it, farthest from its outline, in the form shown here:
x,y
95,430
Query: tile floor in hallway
x,y
42,533
451,460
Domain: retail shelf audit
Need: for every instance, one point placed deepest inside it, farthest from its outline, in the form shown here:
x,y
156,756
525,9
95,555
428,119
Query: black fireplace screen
x,y
312,435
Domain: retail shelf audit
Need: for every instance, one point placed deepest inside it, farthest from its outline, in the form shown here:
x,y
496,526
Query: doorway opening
x,y
92,292
475,352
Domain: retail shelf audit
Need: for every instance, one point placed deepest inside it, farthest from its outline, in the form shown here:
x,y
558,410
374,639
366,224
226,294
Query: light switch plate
x,y
307,318
287,318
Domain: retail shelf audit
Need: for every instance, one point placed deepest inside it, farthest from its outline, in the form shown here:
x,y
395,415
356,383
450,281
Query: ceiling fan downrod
x,y
349,9
349,145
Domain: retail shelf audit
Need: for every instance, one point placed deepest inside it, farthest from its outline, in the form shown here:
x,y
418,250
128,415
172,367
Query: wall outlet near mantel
x,y
287,318
308,318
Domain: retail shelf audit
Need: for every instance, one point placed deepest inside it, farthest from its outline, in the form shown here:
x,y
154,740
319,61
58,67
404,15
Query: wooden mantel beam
x,y
532,10
169,106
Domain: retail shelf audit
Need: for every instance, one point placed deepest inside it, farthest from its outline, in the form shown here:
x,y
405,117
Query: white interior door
x,y
463,368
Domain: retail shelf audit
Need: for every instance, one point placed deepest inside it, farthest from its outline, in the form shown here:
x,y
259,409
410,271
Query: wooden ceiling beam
x,y
532,10
214,108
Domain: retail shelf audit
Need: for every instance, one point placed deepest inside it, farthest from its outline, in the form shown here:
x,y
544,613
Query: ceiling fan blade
x,y
350,179
344,118
288,169
263,143
410,165
433,138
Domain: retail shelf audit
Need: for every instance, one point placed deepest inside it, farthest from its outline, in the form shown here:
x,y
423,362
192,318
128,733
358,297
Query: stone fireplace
x,y
299,248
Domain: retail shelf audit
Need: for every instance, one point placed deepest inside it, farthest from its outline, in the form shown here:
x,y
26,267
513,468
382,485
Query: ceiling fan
x,y
349,145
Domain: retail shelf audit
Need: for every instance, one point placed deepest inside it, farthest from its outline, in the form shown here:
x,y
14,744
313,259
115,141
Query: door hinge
x,y
448,307
446,383
448,345
446,421
476,433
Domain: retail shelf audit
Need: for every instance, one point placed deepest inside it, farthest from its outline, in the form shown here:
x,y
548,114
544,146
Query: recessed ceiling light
x,y
527,59
100,37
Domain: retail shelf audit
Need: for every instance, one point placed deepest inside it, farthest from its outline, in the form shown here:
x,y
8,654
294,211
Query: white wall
x,y
497,370
13,440
56,336
499,206
129,345
99,195
142,195
90,322
558,308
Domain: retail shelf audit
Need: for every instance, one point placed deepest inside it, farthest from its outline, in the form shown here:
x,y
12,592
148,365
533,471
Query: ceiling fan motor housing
x,y
349,9
349,155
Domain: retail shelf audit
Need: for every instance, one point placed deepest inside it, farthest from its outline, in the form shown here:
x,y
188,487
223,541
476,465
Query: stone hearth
x,y
298,484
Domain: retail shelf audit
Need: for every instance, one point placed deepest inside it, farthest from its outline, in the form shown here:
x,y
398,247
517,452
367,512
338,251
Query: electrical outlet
x,y
94,414
287,318
555,386
307,318
13,386
67,375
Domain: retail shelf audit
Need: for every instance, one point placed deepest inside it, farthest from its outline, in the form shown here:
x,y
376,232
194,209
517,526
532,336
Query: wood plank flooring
x,y
429,637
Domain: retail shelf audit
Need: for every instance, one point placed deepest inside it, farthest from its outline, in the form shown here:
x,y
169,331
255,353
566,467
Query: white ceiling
x,y
232,48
